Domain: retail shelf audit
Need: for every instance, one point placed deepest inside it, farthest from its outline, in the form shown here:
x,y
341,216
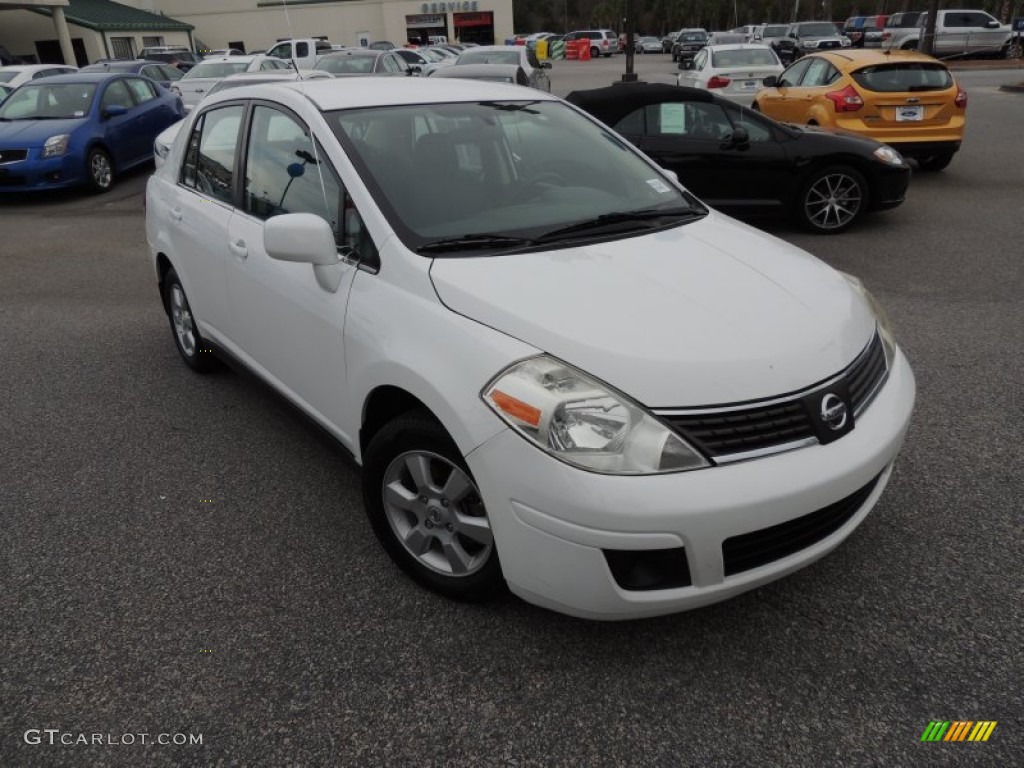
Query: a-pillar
x,y
61,23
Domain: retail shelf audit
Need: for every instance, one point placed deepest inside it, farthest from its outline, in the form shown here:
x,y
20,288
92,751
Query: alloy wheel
x,y
99,167
833,201
436,513
181,316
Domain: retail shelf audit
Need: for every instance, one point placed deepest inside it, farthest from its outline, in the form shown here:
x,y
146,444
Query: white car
x,y
559,371
734,71
198,81
19,74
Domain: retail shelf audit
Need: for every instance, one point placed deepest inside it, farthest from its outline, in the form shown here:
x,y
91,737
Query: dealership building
x,y
107,29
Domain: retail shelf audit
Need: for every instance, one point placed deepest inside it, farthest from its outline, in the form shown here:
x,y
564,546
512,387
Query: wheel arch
x,y
384,404
163,266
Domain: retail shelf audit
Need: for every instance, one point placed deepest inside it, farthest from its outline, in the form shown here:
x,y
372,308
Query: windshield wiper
x,y
475,241
622,217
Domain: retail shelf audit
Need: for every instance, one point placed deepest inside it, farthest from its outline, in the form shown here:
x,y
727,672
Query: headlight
x,y
884,326
888,155
585,423
55,146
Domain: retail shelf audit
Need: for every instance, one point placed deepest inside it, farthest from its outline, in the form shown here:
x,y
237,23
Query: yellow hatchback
x,y
905,99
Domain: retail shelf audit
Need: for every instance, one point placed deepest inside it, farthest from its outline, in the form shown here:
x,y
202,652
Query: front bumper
x,y
35,174
552,530
890,187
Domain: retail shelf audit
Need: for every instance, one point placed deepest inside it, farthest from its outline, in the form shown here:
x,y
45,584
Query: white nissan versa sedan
x,y
560,371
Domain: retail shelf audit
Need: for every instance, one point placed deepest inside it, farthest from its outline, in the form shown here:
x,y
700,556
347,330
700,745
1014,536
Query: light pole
x,y
629,76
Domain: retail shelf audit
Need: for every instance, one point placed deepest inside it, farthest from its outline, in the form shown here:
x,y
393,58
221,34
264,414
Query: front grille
x,y
12,155
757,548
723,433
829,44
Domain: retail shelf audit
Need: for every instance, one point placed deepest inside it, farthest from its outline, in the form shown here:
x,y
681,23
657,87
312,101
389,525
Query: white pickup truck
x,y
303,53
957,33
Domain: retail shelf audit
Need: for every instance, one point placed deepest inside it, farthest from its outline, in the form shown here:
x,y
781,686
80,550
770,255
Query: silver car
x,y
520,55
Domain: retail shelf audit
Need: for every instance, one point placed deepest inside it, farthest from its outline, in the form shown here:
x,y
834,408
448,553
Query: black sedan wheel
x,y
832,199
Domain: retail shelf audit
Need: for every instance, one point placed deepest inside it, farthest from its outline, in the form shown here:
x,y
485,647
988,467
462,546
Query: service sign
x,y
454,7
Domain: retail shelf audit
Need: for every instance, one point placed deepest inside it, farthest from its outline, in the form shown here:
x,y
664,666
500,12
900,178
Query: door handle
x,y
239,249
176,214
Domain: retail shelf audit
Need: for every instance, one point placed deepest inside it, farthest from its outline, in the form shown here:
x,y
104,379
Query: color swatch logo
x,y
958,730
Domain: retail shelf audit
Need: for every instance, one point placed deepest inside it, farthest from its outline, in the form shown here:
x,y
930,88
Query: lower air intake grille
x,y
757,548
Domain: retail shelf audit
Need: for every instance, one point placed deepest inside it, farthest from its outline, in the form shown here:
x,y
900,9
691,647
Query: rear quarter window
x,y
894,78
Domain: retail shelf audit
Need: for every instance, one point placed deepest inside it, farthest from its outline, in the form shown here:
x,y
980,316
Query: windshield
x,y
743,57
6,77
775,31
489,57
216,69
360,65
821,29
904,77
49,102
692,37
431,56
516,169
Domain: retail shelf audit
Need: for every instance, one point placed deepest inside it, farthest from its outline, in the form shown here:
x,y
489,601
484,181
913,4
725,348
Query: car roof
x,y
78,77
468,69
354,52
31,67
614,102
491,48
738,47
860,57
399,91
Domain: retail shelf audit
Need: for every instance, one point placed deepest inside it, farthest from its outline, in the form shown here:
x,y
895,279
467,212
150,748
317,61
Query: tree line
x,y
658,17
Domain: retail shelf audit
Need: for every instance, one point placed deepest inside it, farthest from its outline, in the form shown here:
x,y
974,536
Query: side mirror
x,y
992,24
738,139
771,82
545,65
308,239
414,69
114,110
300,237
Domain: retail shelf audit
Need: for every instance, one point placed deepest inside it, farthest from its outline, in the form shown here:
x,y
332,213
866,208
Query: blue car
x,y
80,129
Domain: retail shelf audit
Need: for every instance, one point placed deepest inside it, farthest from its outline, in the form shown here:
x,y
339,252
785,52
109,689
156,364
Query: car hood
x,y
32,133
707,313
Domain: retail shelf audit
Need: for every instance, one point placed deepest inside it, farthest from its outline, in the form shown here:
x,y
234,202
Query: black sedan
x,y
749,165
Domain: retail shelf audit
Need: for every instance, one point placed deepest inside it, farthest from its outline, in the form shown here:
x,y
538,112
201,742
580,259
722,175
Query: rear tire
x,y
426,510
832,200
193,349
934,163
595,52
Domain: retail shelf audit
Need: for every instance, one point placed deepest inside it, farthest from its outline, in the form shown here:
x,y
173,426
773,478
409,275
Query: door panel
x,y
285,321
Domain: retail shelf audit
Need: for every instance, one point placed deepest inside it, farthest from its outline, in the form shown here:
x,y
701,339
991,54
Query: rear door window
x,y
209,166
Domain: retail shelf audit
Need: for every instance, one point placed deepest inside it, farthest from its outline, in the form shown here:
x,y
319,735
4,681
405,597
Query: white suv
x,y
559,370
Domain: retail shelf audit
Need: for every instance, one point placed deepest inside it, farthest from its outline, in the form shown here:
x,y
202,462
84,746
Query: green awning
x,y
108,16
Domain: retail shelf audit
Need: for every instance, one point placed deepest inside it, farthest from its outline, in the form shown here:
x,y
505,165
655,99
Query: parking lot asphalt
x,y
186,555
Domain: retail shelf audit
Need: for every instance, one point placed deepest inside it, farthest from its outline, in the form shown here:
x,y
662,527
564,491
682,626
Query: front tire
x,y
191,346
426,510
595,52
832,199
99,170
